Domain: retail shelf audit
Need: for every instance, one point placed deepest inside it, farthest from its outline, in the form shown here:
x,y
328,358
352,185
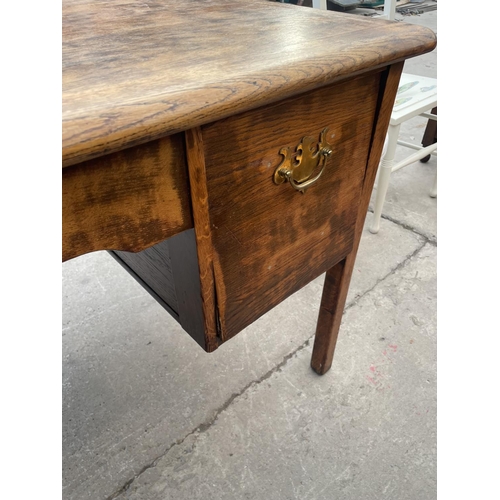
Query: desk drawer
x,y
255,242
270,240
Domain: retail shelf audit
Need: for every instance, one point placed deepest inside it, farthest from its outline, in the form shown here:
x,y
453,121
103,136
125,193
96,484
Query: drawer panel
x,y
270,240
129,200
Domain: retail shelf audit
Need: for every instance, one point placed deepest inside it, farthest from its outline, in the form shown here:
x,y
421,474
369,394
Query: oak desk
x,y
225,150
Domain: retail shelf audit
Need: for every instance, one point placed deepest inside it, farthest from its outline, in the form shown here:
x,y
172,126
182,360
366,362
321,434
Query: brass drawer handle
x,y
298,166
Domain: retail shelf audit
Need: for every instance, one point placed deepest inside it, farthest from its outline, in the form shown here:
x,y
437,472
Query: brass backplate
x,y
299,165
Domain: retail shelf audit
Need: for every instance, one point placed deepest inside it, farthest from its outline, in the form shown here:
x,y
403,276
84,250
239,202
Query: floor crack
x,y
396,268
404,225
203,427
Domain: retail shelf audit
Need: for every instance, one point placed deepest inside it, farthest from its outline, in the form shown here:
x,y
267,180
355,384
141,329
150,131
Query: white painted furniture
x,y
417,95
389,10
413,99
319,4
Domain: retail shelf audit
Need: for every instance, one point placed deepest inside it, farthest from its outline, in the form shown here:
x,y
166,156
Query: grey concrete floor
x,y
148,415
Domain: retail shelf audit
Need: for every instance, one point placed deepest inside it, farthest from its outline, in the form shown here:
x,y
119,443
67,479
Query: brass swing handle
x,y
297,167
302,186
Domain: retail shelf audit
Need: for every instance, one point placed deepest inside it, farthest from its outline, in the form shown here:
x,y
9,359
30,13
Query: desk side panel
x,y
270,240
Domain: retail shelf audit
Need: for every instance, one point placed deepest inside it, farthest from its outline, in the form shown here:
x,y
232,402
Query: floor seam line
x,y
406,226
204,426
396,268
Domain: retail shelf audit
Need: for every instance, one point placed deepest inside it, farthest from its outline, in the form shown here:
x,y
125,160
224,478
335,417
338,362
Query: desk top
x,y
136,71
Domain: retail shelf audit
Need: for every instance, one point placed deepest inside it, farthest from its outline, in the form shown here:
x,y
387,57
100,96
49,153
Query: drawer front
x,y
270,240
127,200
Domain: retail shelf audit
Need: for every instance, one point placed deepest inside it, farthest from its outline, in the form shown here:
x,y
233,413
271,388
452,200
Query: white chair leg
x,y
434,188
384,150
384,175
390,9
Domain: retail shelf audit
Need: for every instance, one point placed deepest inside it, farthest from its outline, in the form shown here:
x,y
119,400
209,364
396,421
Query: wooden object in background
x,y
430,134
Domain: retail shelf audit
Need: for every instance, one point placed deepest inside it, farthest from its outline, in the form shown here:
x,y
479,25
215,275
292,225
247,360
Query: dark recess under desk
x,y
169,272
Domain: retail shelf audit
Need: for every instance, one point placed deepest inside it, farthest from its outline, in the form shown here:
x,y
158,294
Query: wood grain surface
x,y
331,308
270,240
204,245
137,71
338,277
154,267
128,200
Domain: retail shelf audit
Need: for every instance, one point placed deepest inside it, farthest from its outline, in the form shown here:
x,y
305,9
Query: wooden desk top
x,y
137,71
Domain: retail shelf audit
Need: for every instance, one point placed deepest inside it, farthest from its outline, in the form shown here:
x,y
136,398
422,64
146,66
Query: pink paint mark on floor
x,y
393,347
372,368
371,380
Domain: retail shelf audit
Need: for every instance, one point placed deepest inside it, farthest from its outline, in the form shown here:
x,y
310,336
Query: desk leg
x,y
330,314
339,276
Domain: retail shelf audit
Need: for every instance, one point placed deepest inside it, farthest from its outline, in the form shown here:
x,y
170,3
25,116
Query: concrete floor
x,y
148,415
